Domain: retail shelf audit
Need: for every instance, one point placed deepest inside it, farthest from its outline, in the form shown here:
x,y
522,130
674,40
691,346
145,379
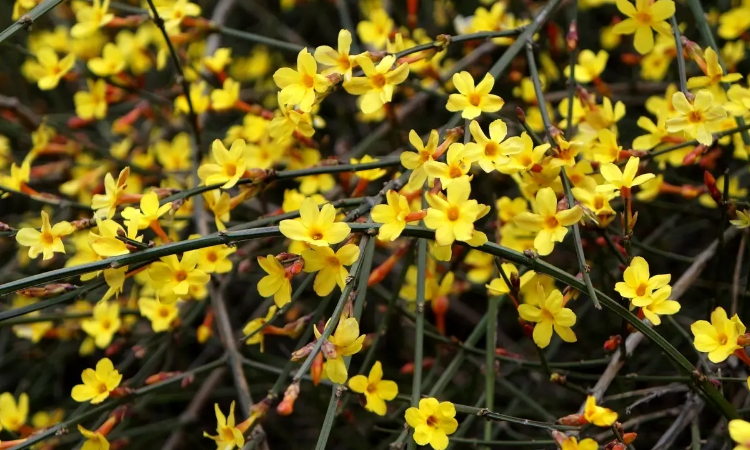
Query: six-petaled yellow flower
x,y
315,226
298,87
549,223
433,421
379,82
642,17
473,100
276,283
598,415
97,384
345,341
46,241
719,337
697,119
549,315
330,266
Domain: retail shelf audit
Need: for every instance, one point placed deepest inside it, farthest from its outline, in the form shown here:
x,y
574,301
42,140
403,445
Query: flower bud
x,y
573,420
286,407
612,343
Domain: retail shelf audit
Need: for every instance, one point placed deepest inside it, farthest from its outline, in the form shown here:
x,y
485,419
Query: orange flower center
x,y
453,213
551,222
316,234
491,149
106,324
101,388
432,421
180,275
308,81
333,261
547,316
455,172
598,202
48,238
231,169
641,290
343,61
526,160
475,98
163,312
372,388
723,338
213,257
643,17
695,117
378,80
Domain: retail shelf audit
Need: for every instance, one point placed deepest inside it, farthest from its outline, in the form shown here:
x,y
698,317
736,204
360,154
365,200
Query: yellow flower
x,y
642,18
330,266
215,259
225,98
172,155
638,284
149,212
453,217
106,204
340,61
550,223
316,227
415,161
176,277
473,101
498,286
697,120
433,421
276,283
110,63
92,104
48,69
548,315
376,390
48,241
293,200
660,305
18,177
622,180
174,12
289,121
104,323
97,384
201,102
21,7
376,31
227,435
597,202
714,74
229,166
606,149
598,415
571,443
13,415
379,82
480,265
220,204
371,174
507,208
492,152
733,23
346,341
392,216
298,87
527,158
657,132
91,18
44,419
589,66
718,338
219,60
739,430
743,219
255,325
160,314
106,244
457,165
94,440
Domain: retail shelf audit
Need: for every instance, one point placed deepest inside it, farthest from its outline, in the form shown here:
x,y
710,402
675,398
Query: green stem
x,y
582,266
28,19
459,39
489,359
497,417
54,201
680,55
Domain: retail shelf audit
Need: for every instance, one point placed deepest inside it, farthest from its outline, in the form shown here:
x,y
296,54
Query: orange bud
x,y
161,376
573,420
316,369
120,392
612,343
744,340
286,407
697,152
408,368
628,438
440,307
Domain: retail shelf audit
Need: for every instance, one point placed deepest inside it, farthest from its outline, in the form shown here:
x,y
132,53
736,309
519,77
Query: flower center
x,y
491,149
455,172
598,202
643,17
333,261
308,81
551,222
226,434
475,98
231,169
432,421
101,388
526,160
372,388
212,257
48,238
180,275
453,213
641,290
106,324
695,117
163,312
378,80
316,235
547,316
723,338
344,63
